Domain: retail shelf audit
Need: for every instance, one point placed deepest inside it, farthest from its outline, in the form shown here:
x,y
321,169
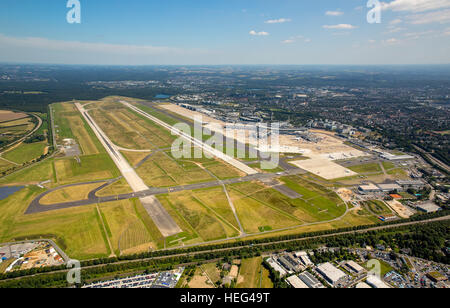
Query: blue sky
x,y
225,32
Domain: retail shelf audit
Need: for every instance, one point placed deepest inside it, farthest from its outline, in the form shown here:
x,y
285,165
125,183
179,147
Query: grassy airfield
x,y
124,227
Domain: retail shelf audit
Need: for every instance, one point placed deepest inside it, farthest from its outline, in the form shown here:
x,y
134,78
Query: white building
x,y
274,264
376,282
355,267
331,273
296,283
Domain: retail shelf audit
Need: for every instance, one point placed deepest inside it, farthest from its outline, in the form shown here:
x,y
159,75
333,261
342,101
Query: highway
x,y
195,142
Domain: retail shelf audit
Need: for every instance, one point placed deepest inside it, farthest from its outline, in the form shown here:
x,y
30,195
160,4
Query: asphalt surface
x,y
232,161
162,219
37,207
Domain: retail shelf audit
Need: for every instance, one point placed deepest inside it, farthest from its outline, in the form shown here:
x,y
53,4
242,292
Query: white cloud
x,y
415,6
57,45
442,17
340,27
289,41
396,21
395,29
261,33
278,21
391,41
334,13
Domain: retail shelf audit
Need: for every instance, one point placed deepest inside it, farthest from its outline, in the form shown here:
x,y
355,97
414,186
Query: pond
x,y
162,96
7,191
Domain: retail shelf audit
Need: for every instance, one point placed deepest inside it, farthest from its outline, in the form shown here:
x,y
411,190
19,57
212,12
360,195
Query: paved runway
x,y
160,216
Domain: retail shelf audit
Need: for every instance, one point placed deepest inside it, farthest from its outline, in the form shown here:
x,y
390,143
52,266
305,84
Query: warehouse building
x,y
297,283
274,264
355,267
331,273
368,188
428,207
376,282
311,281
411,184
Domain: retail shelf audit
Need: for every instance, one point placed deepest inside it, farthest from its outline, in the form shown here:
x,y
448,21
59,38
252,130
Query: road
x,y
433,159
18,142
206,148
36,207
165,223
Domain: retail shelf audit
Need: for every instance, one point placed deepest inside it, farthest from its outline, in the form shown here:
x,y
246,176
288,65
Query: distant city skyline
x,y
224,32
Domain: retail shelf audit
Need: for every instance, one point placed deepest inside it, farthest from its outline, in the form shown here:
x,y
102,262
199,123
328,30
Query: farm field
x,y
6,115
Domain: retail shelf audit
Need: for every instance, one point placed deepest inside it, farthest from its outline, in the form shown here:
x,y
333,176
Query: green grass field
x,y
162,171
26,152
127,232
90,168
377,207
253,275
366,168
77,230
197,217
36,173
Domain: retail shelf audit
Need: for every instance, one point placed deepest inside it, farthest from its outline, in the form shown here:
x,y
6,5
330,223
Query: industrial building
x,y
274,264
311,281
355,267
428,207
411,184
297,283
290,263
331,273
368,188
376,282
390,187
